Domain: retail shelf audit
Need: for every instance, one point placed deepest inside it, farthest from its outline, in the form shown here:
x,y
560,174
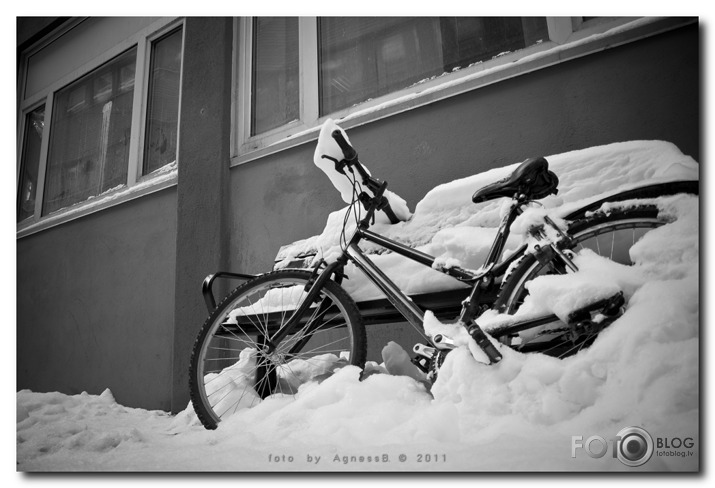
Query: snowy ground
x,y
520,415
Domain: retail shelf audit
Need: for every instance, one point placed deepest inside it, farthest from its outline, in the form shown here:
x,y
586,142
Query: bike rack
x,y
207,287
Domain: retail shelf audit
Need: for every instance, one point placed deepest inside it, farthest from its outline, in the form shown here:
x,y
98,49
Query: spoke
x,y
318,348
218,375
252,315
288,367
283,314
297,338
568,352
230,358
298,305
312,317
220,415
613,244
301,333
238,402
553,346
224,386
261,328
265,378
216,348
237,338
288,346
234,338
316,361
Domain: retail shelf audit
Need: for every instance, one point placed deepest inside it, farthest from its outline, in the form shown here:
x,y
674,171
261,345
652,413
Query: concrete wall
x,y
643,90
95,303
204,134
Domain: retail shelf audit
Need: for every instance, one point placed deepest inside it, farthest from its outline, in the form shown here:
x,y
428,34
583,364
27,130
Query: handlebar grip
x,y
348,151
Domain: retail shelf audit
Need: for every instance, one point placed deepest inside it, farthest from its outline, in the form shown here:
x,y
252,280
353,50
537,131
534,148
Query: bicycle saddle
x,y
532,178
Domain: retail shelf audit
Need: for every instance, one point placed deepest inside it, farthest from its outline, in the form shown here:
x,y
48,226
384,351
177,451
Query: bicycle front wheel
x,y
235,364
609,235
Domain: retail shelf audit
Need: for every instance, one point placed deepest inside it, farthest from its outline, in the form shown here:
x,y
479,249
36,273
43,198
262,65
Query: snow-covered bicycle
x,y
282,328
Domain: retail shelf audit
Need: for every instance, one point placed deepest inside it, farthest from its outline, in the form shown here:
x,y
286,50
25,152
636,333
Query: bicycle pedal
x,y
423,351
443,342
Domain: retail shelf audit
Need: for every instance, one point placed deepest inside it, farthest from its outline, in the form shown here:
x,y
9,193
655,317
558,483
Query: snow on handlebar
x,y
328,150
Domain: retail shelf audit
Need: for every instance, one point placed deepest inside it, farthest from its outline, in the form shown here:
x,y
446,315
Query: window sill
x,y
163,178
581,43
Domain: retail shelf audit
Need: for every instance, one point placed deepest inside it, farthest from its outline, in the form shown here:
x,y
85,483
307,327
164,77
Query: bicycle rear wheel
x,y
234,364
610,235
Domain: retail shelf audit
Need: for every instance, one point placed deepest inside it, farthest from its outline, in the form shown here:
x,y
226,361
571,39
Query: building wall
x,y
204,134
95,303
647,89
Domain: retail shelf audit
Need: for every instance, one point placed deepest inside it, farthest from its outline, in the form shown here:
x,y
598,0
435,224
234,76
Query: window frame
x,y
565,43
137,184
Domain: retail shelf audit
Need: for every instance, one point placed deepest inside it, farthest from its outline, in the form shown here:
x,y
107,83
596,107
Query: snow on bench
x,y
447,225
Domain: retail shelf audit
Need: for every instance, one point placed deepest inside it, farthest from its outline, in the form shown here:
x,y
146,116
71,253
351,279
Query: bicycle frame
x,y
482,279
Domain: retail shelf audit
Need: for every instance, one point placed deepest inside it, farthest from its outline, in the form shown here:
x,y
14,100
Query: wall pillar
x,y
202,240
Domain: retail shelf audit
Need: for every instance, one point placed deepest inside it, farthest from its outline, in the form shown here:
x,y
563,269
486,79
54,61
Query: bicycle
x,y
279,329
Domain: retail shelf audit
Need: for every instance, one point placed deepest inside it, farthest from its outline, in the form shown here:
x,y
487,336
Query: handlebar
x,y
379,201
348,151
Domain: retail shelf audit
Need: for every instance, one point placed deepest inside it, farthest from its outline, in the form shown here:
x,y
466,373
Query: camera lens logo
x,y
635,446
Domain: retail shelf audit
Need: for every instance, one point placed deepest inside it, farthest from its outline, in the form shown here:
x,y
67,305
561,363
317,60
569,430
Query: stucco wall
x,y
95,303
648,89
202,237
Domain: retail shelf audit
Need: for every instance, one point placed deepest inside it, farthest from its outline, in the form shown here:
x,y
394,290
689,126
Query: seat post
x,y
503,233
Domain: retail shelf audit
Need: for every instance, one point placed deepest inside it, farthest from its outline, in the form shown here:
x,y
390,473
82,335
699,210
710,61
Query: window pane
x,y
89,135
363,58
34,123
366,57
163,105
275,86
467,40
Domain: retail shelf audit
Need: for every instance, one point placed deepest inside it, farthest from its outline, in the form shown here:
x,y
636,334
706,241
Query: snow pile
x,y
642,370
327,152
520,414
447,225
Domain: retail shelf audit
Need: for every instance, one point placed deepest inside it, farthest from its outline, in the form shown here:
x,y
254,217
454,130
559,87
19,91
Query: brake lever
x,y
339,165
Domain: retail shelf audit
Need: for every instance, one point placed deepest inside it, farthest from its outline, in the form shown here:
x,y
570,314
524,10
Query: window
x,y
275,98
106,128
89,134
293,72
297,70
34,125
364,58
163,107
